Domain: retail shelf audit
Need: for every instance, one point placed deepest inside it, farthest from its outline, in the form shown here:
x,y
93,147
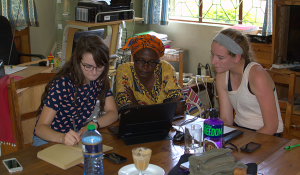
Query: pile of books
x,y
162,37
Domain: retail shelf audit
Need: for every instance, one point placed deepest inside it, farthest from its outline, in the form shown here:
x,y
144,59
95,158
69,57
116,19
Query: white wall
x,y
196,38
42,38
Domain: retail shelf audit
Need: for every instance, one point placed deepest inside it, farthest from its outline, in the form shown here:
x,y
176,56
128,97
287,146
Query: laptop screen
x,y
146,120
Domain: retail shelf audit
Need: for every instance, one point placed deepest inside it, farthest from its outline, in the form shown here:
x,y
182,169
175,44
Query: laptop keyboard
x,y
232,135
114,129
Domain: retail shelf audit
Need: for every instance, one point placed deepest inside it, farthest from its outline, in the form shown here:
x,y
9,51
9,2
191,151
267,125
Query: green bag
x,y
215,161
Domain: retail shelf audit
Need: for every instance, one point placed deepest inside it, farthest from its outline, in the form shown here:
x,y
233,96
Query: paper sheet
x,y
200,121
12,69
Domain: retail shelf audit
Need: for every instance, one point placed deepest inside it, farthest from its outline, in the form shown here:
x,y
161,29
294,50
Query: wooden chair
x,y
24,98
286,107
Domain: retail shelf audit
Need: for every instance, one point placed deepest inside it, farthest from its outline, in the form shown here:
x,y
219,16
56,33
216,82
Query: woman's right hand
x,y
71,138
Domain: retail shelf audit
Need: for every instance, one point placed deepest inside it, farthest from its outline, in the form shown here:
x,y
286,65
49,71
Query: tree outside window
x,y
232,12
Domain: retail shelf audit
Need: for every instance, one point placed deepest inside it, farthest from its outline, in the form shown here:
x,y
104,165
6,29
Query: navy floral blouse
x,y
61,98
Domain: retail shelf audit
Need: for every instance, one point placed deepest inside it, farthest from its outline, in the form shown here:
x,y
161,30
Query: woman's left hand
x,y
129,92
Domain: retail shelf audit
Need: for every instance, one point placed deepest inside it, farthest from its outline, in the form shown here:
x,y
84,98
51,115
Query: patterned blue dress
x,y
61,99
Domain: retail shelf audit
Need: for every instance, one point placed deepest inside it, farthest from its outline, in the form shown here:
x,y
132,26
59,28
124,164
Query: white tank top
x,y
246,106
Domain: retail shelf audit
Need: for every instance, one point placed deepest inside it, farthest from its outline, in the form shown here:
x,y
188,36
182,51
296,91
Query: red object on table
x,y
6,134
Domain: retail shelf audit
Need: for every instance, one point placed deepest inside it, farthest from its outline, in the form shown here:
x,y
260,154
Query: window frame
x,y
200,19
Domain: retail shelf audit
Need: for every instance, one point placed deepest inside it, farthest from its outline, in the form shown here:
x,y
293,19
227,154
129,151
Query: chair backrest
x,y
5,43
77,35
286,106
24,98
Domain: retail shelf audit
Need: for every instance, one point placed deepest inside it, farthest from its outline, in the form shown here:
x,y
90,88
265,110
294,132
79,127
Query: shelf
x,y
73,26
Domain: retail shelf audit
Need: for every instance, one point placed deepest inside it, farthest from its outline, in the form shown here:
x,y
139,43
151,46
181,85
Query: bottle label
x,y
209,145
213,132
92,149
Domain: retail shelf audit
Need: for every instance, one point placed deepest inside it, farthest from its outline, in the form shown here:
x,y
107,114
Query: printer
x,y
86,11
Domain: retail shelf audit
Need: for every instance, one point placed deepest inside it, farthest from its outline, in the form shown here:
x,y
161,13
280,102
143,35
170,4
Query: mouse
x,y
178,137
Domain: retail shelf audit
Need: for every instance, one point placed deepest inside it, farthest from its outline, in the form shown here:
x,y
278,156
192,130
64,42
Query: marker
x,y
290,147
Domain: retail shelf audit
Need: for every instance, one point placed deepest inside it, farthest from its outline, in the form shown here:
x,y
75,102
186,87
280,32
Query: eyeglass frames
x,y
142,62
91,68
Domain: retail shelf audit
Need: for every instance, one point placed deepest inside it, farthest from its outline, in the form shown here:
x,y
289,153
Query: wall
x,y
42,38
196,38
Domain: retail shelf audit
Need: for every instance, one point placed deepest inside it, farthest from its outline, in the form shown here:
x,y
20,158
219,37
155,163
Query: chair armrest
x,y
32,55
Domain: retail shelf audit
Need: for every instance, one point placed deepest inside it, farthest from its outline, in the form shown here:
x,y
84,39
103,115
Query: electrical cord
x,y
208,89
279,56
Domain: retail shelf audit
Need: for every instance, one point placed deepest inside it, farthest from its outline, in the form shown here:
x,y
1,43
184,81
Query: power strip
x,y
282,66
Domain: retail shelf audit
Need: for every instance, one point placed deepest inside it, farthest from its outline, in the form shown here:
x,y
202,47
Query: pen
x,y
73,121
290,147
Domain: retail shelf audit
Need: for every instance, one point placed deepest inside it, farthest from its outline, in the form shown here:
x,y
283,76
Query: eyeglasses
x,y
88,67
142,62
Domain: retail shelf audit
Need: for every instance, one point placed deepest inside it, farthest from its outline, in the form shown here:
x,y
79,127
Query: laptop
x,y
146,123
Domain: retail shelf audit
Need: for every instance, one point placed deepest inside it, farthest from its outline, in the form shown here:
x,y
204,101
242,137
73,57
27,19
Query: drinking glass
x,y
141,157
193,139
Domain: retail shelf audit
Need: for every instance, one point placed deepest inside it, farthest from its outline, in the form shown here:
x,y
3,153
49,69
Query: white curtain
x,y
268,21
155,11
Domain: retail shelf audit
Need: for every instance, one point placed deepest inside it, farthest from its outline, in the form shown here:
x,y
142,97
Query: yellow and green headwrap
x,y
145,41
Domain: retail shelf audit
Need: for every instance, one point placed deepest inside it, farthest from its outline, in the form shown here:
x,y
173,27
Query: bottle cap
x,y
213,113
91,127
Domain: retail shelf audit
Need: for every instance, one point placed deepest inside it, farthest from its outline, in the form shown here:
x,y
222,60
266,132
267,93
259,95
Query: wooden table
x,y
33,165
164,153
282,161
269,144
31,70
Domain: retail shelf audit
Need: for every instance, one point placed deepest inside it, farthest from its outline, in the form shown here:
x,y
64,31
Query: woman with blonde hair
x,y
244,86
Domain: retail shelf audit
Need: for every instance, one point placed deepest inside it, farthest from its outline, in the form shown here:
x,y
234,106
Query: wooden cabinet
x,y
281,15
262,54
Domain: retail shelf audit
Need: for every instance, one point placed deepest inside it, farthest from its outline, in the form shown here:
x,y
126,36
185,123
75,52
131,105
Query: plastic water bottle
x,y
213,131
92,149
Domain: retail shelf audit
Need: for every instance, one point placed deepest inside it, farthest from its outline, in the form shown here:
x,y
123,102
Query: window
x,y
248,12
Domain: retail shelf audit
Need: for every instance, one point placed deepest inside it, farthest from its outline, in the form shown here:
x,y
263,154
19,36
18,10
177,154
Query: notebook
x,y
64,156
146,123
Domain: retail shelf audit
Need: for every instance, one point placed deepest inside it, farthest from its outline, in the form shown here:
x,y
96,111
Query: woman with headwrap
x,y
148,80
